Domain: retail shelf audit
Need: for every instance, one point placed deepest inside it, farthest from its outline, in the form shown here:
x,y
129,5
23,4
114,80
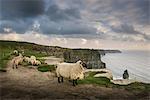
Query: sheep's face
x,y
82,63
79,62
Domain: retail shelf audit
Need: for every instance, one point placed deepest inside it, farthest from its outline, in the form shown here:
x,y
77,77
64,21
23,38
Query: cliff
x,y
90,56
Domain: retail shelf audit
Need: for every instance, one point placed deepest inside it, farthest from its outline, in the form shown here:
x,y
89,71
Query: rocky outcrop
x,y
123,81
101,73
125,74
91,57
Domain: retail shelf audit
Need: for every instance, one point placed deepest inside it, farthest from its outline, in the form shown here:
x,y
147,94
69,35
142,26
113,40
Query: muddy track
x,y
29,84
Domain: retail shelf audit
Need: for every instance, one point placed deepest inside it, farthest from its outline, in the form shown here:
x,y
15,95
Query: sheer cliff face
x,y
91,57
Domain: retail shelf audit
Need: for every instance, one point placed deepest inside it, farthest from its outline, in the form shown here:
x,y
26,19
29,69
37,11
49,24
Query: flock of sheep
x,y
71,71
19,59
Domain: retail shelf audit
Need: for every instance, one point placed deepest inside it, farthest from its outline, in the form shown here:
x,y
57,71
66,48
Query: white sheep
x,y
17,60
37,62
27,59
71,71
32,61
15,52
33,57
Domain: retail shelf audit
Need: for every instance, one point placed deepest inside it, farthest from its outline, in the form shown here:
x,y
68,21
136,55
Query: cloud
x,y
125,28
7,30
84,41
57,14
20,26
13,9
117,20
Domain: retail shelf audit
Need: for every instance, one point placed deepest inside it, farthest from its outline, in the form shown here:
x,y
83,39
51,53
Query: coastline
x,y
136,62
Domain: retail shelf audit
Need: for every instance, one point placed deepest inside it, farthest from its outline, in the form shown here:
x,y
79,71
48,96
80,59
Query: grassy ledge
x,y
105,82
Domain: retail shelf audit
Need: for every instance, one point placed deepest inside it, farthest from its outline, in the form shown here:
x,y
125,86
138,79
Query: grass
x,y
35,53
105,82
5,56
45,68
90,79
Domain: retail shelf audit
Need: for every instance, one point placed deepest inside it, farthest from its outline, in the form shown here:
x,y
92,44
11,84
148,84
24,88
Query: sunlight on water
x,y
136,62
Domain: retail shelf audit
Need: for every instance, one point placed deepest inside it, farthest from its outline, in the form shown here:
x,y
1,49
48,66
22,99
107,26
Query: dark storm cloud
x,y
72,18
19,26
65,27
133,11
13,9
57,14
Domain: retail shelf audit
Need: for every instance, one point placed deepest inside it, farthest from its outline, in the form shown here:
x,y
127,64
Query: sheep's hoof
x,y
59,80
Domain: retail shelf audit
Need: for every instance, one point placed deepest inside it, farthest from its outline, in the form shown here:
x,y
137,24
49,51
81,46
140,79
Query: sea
x,y
136,62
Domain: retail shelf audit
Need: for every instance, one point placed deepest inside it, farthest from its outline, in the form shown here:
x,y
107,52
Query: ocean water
x,y
136,62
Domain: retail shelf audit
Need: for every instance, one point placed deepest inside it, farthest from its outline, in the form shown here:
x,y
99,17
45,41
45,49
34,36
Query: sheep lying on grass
x,y
72,71
27,59
32,60
33,57
17,60
37,62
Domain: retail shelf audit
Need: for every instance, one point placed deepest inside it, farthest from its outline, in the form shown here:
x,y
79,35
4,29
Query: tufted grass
x,y
45,68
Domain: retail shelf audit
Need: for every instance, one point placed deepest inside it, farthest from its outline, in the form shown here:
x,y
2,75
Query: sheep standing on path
x,y
71,71
17,60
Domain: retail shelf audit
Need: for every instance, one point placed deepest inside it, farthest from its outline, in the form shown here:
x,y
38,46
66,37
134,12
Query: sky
x,y
97,24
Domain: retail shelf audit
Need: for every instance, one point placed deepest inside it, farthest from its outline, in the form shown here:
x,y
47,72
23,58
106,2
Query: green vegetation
x,y
7,48
105,82
5,55
45,68
90,79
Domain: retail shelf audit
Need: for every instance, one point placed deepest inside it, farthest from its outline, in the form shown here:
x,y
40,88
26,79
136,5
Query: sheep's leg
x,y
59,80
76,82
62,80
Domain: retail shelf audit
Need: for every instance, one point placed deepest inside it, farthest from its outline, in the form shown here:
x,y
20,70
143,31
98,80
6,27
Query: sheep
x,y
37,62
17,60
33,57
32,61
72,71
15,52
27,59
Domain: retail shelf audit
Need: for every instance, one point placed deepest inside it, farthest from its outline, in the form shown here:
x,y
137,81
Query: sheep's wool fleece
x,y
18,60
33,57
69,70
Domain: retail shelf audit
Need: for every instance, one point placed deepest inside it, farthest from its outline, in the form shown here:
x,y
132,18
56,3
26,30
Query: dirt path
x,y
30,84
